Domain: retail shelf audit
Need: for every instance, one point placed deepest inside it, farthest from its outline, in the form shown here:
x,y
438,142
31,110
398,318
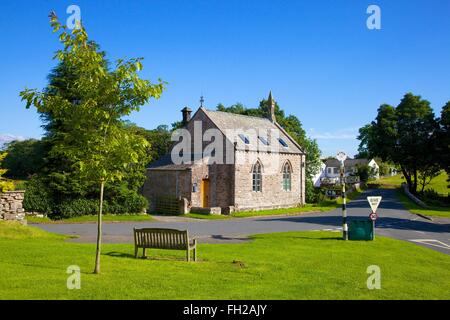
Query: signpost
x,y
341,156
374,202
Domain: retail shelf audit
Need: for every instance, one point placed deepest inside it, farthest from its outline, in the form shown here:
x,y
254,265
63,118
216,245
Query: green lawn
x,y
414,208
93,218
439,184
323,206
296,265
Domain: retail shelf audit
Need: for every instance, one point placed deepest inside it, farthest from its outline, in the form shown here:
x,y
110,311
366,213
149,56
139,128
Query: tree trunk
x,y
414,191
407,177
99,229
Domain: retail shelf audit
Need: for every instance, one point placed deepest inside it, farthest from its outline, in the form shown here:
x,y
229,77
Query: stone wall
x,y
167,183
11,207
272,194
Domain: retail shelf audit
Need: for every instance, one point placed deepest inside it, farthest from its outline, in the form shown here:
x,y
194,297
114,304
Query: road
x,y
394,221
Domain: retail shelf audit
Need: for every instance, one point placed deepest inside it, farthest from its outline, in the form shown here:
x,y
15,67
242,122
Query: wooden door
x,y
205,193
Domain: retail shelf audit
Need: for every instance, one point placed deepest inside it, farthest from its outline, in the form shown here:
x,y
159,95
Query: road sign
x,y
374,202
373,216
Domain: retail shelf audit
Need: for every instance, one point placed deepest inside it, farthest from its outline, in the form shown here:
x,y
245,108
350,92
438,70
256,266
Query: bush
x,y
310,192
75,207
431,197
37,198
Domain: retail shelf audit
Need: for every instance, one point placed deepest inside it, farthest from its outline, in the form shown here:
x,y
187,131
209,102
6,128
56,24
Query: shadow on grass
x,y
116,254
119,255
320,238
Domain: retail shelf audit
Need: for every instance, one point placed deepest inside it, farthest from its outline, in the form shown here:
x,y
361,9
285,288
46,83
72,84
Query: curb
x,y
425,217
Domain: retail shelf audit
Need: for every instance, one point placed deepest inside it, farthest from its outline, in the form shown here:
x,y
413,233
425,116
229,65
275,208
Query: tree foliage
x,y
85,122
25,158
405,135
444,139
5,185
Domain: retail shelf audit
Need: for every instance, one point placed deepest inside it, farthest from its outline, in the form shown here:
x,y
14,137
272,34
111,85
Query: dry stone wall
x,y
11,207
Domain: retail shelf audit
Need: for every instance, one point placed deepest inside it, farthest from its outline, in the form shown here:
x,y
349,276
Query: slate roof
x,y
241,124
166,163
253,127
347,163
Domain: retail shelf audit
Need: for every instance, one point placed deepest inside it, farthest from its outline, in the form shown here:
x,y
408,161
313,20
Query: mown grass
x,y
93,218
295,265
322,206
414,208
439,184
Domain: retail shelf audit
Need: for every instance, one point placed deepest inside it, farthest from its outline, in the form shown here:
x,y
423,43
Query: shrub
x,y
75,207
432,197
312,194
37,198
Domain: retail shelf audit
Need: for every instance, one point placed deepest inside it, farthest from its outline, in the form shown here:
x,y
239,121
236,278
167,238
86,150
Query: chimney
x,y
186,115
271,110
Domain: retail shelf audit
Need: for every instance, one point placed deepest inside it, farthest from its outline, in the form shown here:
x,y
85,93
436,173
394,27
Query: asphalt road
x,y
394,221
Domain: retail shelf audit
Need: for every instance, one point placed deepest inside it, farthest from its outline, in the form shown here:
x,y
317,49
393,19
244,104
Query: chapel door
x,y
205,193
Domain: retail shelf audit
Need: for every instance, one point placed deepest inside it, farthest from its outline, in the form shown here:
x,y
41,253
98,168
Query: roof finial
x,y
201,101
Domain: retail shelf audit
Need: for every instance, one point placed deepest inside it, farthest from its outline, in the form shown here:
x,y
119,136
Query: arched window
x,y
287,177
257,177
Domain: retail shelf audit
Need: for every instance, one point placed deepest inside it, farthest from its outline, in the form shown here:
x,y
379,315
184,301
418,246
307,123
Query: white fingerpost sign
x,y
374,202
341,156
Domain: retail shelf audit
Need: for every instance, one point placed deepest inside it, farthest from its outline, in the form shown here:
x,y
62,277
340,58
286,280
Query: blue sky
x,y
318,57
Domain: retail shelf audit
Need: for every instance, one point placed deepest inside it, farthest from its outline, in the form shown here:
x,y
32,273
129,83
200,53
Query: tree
x,y
364,138
5,185
444,139
294,127
404,135
25,158
92,133
158,138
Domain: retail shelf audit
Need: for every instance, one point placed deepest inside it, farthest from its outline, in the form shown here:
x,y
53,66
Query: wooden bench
x,y
158,238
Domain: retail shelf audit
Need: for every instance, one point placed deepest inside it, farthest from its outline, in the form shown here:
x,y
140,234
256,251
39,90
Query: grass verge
x,y
93,218
323,206
295,265
414,208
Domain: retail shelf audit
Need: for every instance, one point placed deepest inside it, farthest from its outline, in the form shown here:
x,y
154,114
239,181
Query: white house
x,y
330,170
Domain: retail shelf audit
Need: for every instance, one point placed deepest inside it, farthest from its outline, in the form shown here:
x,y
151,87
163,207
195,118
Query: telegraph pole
x,y
341,156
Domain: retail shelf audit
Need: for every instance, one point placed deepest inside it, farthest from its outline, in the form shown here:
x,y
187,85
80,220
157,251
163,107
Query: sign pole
x,y
344,205
374,202
341,156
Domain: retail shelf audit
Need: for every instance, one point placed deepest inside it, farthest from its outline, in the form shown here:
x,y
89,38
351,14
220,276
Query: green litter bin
x,y
360,230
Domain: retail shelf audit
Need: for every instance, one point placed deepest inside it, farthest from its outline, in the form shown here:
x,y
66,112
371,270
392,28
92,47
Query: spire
x,y
201,101
271,110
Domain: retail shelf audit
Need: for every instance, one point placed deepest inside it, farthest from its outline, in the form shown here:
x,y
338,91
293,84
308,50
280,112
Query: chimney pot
x,y
186,115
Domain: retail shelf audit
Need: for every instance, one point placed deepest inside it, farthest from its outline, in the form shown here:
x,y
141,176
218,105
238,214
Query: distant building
x,y
329,172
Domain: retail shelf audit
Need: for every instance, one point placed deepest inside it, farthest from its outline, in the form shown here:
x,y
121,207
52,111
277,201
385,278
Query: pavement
x,y
393,221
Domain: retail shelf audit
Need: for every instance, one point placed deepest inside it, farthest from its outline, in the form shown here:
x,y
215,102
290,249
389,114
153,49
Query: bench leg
x,y
136,252
188,255
195,254
144,252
